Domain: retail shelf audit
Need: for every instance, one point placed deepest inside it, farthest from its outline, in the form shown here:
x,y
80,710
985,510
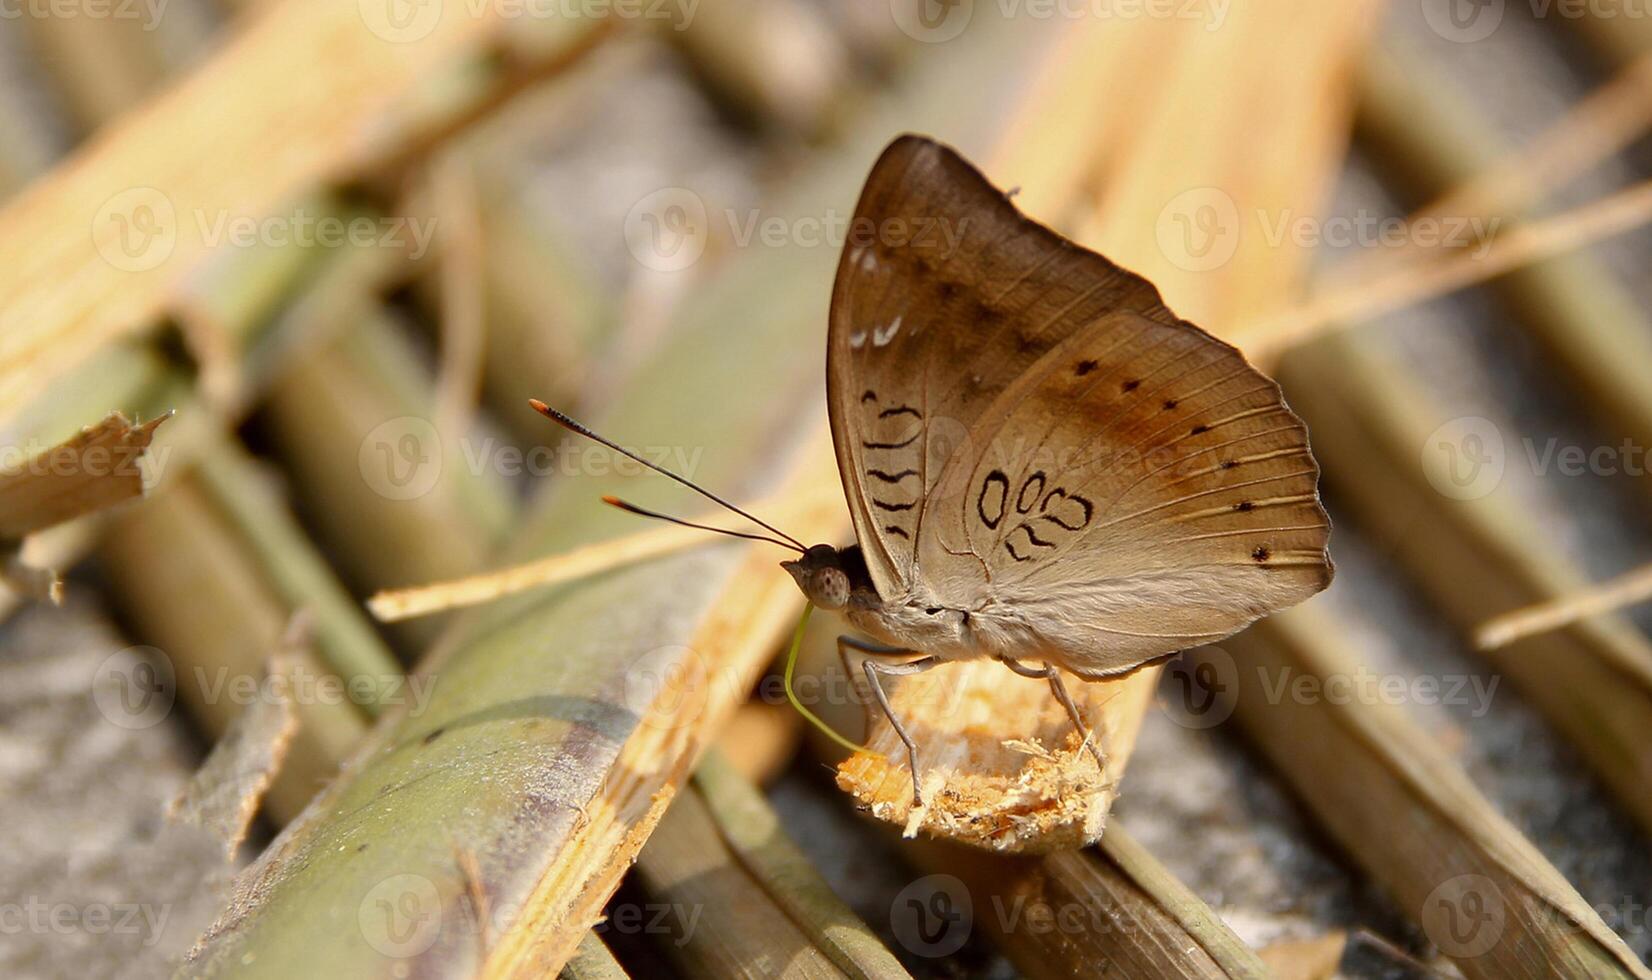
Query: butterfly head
x,y
824,575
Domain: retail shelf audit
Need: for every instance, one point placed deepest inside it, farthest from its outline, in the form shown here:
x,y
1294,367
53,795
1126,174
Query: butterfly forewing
x,y
944,295
1027,433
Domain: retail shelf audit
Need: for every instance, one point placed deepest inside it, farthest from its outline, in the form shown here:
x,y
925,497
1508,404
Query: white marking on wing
x,y
883,335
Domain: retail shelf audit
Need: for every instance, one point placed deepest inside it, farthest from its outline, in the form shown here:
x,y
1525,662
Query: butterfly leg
x,y
1059,689
845,643
873,668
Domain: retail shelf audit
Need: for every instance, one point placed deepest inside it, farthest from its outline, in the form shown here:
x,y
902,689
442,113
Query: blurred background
x,y
343,242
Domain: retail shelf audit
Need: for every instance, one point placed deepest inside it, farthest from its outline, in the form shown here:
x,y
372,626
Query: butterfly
x,y
1043,464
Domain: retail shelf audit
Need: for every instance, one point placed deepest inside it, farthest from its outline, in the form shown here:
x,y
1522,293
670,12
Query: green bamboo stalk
x,y
339,416
1483,894
297,573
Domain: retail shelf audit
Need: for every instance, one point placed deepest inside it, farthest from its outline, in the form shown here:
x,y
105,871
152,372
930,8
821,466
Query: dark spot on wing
x,y
1228,464
1132,385
1244,505
434,735
1261,554
1169,403
902,410
894,529
1084,367
868,396
1196,430
885,505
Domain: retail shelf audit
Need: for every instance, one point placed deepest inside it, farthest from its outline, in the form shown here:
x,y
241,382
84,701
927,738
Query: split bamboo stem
x,y
1427,138
1380,786
1116,912
747,902
328,93
1476,557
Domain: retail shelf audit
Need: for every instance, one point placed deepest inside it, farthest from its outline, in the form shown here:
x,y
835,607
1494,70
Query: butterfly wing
x,y
1027,433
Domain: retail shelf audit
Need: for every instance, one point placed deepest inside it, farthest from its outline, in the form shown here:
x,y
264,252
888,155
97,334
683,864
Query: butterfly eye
x,y
932,610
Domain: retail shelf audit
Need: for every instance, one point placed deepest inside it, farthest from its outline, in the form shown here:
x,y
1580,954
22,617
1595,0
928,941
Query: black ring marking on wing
x,y
1003,482
1032,537
1089,509
901,410
1022,504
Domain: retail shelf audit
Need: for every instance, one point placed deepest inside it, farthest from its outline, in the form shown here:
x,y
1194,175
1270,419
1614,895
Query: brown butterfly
x,y
1043,464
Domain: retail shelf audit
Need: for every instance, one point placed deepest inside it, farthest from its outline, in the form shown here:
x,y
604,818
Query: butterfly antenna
x,y
572,426
631,508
